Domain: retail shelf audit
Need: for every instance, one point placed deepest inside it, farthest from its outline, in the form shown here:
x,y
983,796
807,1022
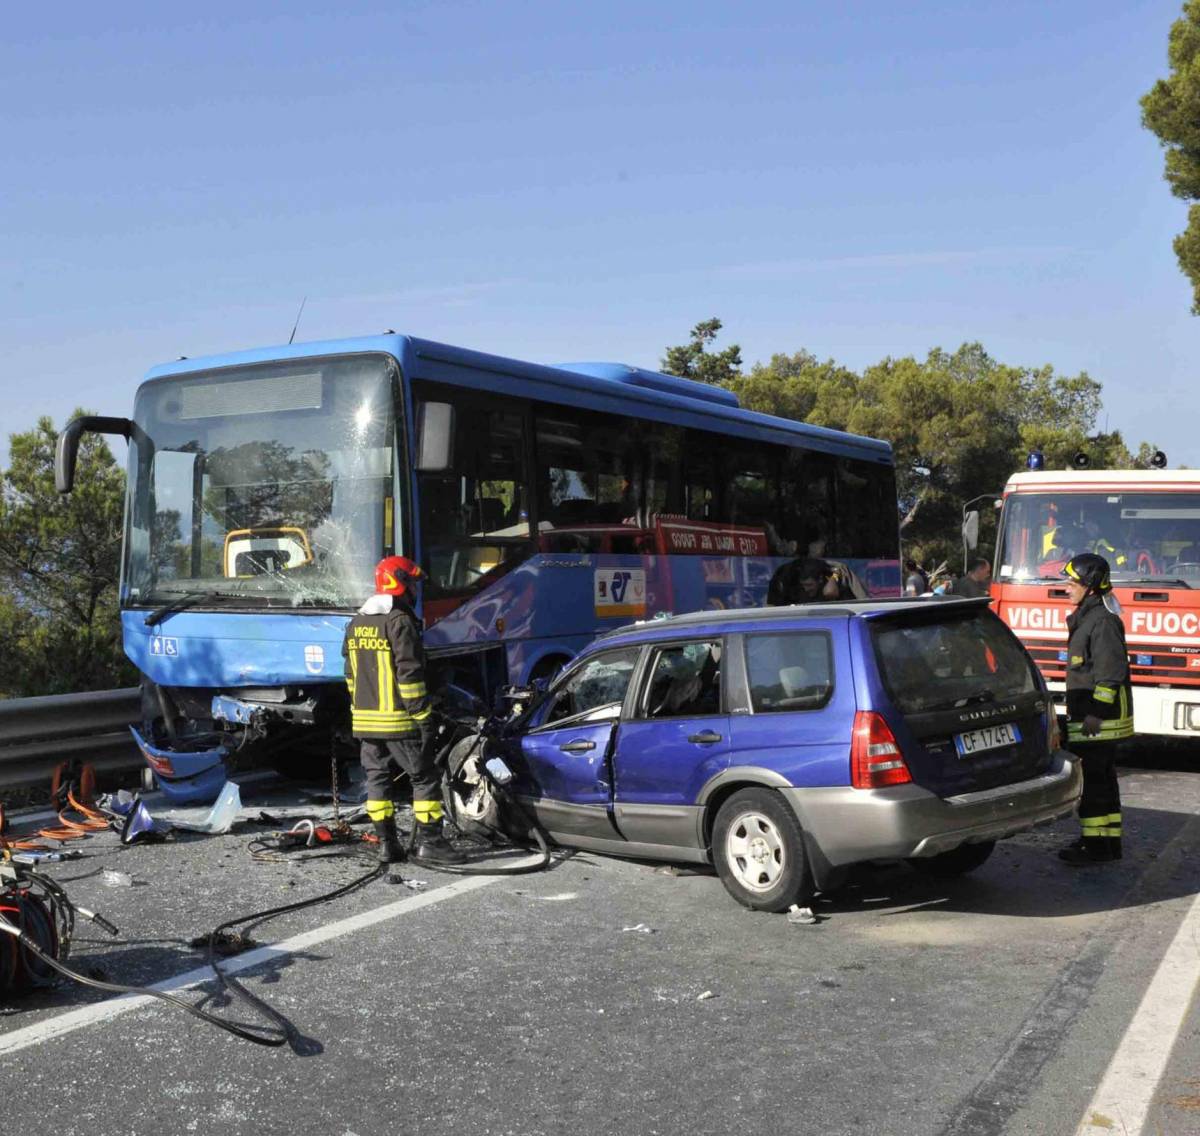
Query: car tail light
x,y
1053,734
875,758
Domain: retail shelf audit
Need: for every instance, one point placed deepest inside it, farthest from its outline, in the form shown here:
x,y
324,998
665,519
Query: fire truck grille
x,y
1147,664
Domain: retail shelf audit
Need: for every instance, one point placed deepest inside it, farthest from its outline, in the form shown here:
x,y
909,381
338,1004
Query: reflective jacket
x,y
385,670
1115,558
1097,673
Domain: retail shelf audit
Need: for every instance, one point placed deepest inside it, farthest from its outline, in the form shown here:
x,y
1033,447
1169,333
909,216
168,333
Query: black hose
x,y
268,1035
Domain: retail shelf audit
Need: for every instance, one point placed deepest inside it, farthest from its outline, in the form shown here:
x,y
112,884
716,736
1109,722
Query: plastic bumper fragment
x,y
194,777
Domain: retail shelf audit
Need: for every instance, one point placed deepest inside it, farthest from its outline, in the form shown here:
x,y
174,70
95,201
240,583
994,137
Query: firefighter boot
x,y
1089,850
390,851
432,847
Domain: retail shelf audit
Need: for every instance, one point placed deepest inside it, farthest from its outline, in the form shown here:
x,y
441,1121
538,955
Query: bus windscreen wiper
x,y
186,599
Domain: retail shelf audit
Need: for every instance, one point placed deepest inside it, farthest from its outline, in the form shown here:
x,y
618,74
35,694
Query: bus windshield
x,y
268,485
1152,536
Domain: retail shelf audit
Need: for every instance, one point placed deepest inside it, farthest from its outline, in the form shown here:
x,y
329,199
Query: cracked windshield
x,y
265,485
1143,536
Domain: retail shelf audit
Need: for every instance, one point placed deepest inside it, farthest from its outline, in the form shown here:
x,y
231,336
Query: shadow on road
x,y
1025,879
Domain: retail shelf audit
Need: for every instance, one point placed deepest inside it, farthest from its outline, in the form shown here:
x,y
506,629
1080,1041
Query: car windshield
x,y
951,662
268,485
1151,536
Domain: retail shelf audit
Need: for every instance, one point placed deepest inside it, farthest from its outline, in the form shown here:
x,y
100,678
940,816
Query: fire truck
x,y
1146,524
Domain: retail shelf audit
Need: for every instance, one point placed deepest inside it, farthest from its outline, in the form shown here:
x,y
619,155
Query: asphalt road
x,y
605,996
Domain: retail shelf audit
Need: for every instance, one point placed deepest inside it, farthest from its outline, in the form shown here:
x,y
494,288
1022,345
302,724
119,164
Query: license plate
x,y
986,737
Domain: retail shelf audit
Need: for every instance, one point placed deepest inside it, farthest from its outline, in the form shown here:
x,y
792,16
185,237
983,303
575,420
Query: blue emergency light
x,y
1035,460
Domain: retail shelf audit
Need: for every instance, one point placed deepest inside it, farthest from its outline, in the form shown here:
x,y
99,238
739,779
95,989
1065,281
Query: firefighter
x,y
1102,546
391,713
1099,705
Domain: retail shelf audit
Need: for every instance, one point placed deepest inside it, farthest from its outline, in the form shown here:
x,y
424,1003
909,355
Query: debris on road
x,y
114,879
708,995
803,915
641,928
214,821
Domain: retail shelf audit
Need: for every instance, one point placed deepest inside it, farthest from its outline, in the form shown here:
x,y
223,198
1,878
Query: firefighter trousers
x,y
1100,802
384,760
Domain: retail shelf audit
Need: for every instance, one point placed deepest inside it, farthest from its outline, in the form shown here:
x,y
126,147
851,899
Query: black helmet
x,y
1089,570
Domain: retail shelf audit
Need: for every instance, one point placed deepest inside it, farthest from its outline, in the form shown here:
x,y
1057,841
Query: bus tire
x,y
547,667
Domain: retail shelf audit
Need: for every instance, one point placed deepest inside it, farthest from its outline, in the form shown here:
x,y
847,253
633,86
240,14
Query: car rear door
x,y
796,716
675,737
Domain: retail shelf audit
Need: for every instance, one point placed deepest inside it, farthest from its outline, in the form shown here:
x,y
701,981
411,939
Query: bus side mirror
x,y
67,449
435,436
970,529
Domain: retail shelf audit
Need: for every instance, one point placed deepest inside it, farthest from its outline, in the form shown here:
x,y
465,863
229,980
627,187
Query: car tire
x,y
957,862
758,850
466,791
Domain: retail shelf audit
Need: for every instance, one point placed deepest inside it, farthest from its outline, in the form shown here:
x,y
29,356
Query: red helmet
x,y
393,574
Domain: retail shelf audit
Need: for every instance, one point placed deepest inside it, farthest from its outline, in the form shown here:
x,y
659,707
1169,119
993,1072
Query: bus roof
x,y
612,387
1098,480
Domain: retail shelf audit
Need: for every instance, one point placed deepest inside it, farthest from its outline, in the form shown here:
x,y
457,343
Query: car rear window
x,y
792,670
940,664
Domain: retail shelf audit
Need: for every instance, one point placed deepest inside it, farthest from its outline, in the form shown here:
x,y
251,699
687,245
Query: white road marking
x,y
1122,1102
106,1011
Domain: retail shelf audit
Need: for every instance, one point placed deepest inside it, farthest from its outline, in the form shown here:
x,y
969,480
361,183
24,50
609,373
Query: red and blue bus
x,y
547,504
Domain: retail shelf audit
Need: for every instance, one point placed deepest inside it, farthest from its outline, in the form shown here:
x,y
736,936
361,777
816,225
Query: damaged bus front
x,y
266,489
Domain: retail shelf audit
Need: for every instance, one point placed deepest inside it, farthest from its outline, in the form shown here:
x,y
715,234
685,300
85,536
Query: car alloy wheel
x,y
755,852
758,850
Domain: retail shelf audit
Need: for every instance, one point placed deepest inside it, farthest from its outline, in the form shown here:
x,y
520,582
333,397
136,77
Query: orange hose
x,y
62,833
92,819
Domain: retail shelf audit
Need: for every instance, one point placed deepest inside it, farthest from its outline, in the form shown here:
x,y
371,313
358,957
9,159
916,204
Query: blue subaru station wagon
x,y
782,745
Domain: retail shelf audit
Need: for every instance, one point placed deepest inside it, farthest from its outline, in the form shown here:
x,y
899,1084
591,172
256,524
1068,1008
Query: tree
x,y
693,360
1171,110
59,566
798,386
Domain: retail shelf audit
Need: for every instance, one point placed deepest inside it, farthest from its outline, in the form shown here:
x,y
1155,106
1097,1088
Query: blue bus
x,y
547,504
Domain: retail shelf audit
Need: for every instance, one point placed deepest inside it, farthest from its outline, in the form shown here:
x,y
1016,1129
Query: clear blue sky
x,y
587,181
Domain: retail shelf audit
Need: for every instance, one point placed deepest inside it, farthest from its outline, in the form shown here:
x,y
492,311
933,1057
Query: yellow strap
x,y
427,812
1104,694
412,690
386,684
1110,730
1092,822
381,810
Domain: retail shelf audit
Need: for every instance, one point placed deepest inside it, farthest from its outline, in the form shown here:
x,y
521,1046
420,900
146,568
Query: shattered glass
x,y
269,485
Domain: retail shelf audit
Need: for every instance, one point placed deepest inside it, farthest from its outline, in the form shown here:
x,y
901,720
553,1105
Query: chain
x,y
333,779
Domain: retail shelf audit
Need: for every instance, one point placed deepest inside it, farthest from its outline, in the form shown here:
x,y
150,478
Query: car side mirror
x,y
970,529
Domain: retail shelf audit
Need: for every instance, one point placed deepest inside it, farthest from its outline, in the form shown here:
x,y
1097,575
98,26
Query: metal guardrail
x,y
37,733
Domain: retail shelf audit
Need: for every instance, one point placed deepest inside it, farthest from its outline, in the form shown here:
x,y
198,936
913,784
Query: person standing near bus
x,y
806,580
391,714
916,583
1099,705
973,583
